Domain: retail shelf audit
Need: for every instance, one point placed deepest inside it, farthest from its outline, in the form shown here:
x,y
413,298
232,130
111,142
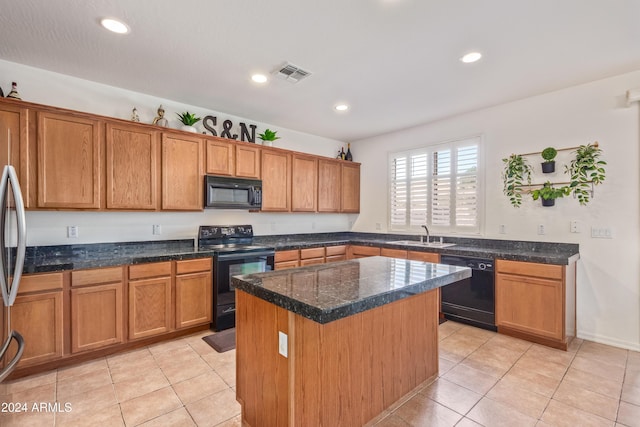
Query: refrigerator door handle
x,y
9,281
4,257
21,235
4,372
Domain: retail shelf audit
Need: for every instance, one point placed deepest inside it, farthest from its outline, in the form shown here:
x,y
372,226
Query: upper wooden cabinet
x,y
248,161
232,159
304,173
132,165
14,134
14,129
329,185
221,158
69,150
350,188
276,180
182,177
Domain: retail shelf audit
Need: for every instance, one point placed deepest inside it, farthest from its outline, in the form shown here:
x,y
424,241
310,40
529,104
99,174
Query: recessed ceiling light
x,y
259,78
471,57
341,107
115,25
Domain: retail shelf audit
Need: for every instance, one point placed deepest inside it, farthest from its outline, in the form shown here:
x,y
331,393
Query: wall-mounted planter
x,y
549,167
548,202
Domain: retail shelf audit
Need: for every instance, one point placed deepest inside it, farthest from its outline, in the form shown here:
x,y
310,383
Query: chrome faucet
x,y
422,237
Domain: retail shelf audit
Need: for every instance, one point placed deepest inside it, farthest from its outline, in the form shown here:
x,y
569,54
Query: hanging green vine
x,y
516,170
586,170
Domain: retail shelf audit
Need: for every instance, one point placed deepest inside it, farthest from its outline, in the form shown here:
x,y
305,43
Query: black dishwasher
x,y
471,300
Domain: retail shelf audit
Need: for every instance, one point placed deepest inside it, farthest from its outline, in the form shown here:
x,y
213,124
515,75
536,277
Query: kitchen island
x,y
336,344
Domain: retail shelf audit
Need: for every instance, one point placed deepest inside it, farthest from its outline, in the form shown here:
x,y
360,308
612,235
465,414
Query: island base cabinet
x,y
345,372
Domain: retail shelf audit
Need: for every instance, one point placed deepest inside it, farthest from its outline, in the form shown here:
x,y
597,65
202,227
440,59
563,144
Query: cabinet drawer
x,y
286,256
311,261
141,271
96,276
335,258
394,253
547,271
336,250
285,265
311,253
193,265
40,282
365,251
423,256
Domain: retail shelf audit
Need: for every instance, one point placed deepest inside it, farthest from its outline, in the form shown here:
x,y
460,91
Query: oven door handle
x,y
227,257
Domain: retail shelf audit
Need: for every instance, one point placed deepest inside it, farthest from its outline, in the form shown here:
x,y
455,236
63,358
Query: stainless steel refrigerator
x,y
12,220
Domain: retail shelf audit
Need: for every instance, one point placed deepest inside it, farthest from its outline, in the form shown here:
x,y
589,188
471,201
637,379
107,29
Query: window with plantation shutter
x,y
438,186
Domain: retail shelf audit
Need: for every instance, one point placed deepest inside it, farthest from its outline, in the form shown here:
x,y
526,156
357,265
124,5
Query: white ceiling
x,y
394,61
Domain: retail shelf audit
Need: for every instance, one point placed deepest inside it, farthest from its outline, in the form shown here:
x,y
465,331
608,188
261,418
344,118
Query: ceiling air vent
x,y
292,73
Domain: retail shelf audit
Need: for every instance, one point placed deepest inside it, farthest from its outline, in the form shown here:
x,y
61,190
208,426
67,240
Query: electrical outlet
x,y
157,229
72,232
541,229
313,225
283,344
502,229
378,226
574,227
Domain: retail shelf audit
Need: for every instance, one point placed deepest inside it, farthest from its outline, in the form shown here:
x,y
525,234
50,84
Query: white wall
x,y
49,228
608,294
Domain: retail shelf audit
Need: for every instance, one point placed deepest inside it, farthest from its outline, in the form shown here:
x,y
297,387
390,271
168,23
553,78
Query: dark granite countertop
x,y
516,250
328,292
40,259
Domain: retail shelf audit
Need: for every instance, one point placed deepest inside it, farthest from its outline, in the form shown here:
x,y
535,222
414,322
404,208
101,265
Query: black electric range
x,y
233,254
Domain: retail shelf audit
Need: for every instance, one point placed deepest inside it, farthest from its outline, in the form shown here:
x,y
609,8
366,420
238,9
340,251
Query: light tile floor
x,y
485,379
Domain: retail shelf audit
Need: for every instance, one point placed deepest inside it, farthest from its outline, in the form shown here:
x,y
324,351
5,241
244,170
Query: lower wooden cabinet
x,y
393,253
150,302
423,256
536,301
37,314
335,253
311,256
356,251
96,308
287,259
194,292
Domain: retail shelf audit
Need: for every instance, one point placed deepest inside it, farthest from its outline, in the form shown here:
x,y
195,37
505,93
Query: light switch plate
x,y
72,232
283,343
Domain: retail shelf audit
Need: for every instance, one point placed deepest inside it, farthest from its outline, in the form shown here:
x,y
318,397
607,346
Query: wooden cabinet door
x,y
182,177
304,191
38,318
150,307
329,185
424,256
248,161
531,305
350,188
356,251
96,317
194,299
276,181
14,131
69,153
221,157
132,167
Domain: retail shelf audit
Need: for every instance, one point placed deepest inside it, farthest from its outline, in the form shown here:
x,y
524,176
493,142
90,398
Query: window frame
x,y
429,150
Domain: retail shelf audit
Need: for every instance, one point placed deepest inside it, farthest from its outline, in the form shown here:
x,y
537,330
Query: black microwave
x,y
225,192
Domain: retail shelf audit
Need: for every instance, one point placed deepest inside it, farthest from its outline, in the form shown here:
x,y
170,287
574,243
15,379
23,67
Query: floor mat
x,y
222,341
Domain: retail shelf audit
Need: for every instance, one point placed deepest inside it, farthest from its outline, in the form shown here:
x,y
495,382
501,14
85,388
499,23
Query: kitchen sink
x,y
423,244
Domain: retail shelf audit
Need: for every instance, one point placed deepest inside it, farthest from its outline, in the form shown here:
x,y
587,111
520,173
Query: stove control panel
x,y
225,231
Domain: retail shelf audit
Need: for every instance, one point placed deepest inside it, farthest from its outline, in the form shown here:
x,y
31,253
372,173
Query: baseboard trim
x,y
635,346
